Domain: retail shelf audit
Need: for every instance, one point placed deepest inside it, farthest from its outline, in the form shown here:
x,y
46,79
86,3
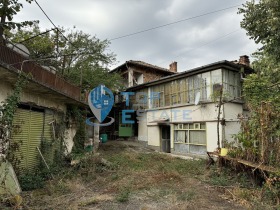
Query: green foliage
x,y
260,88
9,8
9,106
261,21
123,195
258,140
39,46
83,60
30,180
81,134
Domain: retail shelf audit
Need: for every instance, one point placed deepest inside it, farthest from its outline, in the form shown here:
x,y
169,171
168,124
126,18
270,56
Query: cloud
x,y
191,43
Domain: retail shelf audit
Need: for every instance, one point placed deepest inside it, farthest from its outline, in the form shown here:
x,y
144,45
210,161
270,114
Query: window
x,y
192,135
140,99
183,91
174,92
205,86
167,91
231,83
157,96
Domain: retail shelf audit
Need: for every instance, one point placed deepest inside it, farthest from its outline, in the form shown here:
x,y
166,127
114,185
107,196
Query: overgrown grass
x,y
242,188
156,176
157,162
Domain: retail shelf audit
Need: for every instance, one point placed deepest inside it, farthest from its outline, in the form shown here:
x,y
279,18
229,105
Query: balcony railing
x,y
39,74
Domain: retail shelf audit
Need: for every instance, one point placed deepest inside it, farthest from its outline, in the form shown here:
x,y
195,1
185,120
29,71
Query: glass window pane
x,y
216,76
202,126
205,79
180,136
230,77
197,81
198,137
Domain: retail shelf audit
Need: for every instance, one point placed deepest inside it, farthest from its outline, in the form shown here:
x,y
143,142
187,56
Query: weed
x,y
186,196
57,188
31,181
115,177
90,202
123,195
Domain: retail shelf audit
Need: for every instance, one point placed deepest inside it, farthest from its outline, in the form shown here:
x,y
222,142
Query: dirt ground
x,y
139,178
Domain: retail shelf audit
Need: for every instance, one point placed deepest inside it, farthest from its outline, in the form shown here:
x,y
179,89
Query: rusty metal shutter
x,y
30,124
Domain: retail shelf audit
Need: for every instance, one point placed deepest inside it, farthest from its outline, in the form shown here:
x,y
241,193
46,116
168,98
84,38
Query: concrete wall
x,y
232,126
142,128
31,97
6,89
188,114
43,101
212,136
154,135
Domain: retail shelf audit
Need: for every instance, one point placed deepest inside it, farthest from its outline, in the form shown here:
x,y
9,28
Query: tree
x,y
79,57
9,8
262,23
260,132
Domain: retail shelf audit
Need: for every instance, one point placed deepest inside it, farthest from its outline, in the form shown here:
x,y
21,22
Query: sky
x,y
192,43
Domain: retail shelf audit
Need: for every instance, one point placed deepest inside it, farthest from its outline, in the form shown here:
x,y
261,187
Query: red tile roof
x,y
144,64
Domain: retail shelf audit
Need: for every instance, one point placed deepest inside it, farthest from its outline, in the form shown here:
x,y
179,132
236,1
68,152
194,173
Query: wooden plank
x,y
251,164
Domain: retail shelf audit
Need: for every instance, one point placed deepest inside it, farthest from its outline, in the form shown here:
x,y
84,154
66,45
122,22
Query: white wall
x,y
154,135
201,113
212,136
142,128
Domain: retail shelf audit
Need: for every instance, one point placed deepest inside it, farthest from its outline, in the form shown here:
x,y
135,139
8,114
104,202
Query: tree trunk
x,y
3,20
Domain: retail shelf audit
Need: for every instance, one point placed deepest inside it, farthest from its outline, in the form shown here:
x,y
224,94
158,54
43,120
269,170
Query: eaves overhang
x,y
217,65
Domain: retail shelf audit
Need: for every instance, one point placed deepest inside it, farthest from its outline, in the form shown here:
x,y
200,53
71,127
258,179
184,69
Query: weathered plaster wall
x,y
6,89
154,135
187,114
41,100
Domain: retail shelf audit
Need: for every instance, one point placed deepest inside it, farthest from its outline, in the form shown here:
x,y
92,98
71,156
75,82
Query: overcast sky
x,y
191,43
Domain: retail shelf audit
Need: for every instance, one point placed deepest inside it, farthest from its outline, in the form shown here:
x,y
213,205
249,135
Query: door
x,y
30,131
165,138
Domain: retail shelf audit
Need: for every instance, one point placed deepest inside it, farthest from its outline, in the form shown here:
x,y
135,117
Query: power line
x,y
53,23
25,40
45,14
206,43
172,23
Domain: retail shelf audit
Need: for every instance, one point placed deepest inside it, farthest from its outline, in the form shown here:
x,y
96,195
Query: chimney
x,y
173,67
244,60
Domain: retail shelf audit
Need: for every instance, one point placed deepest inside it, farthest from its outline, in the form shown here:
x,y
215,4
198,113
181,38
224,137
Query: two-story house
x,y
192,111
